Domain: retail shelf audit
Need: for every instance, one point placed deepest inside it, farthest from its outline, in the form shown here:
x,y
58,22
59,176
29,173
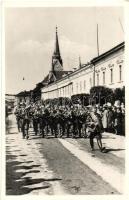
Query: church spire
x,y
56,58
57,49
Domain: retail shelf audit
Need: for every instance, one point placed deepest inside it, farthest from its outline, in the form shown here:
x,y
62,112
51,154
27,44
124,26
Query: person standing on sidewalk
x,y
110,121
118,121
105,118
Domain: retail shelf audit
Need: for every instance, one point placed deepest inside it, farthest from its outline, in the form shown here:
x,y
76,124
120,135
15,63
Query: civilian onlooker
x,y
123,118
105,118
118,121
110,120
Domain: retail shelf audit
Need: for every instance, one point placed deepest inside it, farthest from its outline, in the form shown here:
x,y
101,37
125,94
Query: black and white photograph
x,y
64,100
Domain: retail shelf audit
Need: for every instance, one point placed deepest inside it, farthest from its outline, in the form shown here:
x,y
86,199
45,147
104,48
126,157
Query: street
x,y
62,166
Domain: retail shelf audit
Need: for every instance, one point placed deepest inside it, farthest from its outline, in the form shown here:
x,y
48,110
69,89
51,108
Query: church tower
x,y
57,64
56,71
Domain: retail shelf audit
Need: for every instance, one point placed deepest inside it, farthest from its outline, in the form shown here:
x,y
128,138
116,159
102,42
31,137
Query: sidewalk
x,y
114,142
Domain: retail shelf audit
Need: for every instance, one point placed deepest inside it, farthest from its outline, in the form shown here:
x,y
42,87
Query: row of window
x,y
111,75
82,85
68,90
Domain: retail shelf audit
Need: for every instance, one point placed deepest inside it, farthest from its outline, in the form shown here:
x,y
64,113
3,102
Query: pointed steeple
x,y
57,49
56,58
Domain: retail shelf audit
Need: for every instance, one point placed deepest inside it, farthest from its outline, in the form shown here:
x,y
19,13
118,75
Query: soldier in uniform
x,y
25,120
75,121
35,119
54,117
68,121
43,120
80,120
61,121
17,112
95,129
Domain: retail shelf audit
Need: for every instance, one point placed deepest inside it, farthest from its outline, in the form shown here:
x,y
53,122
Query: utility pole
x,y
97,40
121,25
80,62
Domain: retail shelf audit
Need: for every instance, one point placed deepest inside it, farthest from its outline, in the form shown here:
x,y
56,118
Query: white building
x,y
104,70
109,68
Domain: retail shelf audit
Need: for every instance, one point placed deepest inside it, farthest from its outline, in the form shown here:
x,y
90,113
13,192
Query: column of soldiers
x,y
61,121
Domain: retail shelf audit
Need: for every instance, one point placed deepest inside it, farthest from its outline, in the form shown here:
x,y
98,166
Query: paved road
x,y
56,166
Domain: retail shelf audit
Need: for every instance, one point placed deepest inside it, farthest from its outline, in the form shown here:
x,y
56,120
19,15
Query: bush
x,y
80,99
58,101
98,95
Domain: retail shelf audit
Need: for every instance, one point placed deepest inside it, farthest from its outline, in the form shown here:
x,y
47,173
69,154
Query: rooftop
x,y
109,52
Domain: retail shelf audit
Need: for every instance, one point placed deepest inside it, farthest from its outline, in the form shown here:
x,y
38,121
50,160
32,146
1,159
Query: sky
x,y
30,39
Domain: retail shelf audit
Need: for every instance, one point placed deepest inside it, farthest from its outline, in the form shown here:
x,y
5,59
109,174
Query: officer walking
x,y
95,129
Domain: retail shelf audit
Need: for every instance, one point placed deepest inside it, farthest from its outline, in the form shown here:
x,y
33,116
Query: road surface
x,y
62,166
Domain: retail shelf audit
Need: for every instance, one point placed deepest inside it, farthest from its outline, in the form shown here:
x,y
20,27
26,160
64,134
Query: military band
x,y
66,121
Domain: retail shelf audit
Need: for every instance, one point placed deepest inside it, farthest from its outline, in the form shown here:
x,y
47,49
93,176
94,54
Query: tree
x,y
119,94
80,99
64,101
101,95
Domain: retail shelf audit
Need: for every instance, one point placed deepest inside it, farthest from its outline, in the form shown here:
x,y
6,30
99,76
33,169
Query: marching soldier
x,y
36,114
25,120
75,121
43,120
95,129
59,121
17,112
67,121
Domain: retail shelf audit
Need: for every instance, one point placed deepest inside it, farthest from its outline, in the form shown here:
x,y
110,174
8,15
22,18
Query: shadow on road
x,y
110,150
17,184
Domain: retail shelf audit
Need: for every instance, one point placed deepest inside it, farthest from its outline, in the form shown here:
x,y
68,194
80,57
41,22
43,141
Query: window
x,y
120,73
77,87
60,92
63,91
103,78
84,84
97,78
68,89
80,86
111,70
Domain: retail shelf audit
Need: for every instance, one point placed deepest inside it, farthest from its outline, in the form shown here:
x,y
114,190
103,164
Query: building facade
x,y
109,68
23,97
105,70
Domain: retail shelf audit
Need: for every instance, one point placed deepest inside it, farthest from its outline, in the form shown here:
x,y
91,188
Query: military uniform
x,y
17,113
67,122
25,122
95,129
36,115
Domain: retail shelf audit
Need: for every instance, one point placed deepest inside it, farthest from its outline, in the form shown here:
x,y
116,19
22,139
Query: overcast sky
x,y
30,38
